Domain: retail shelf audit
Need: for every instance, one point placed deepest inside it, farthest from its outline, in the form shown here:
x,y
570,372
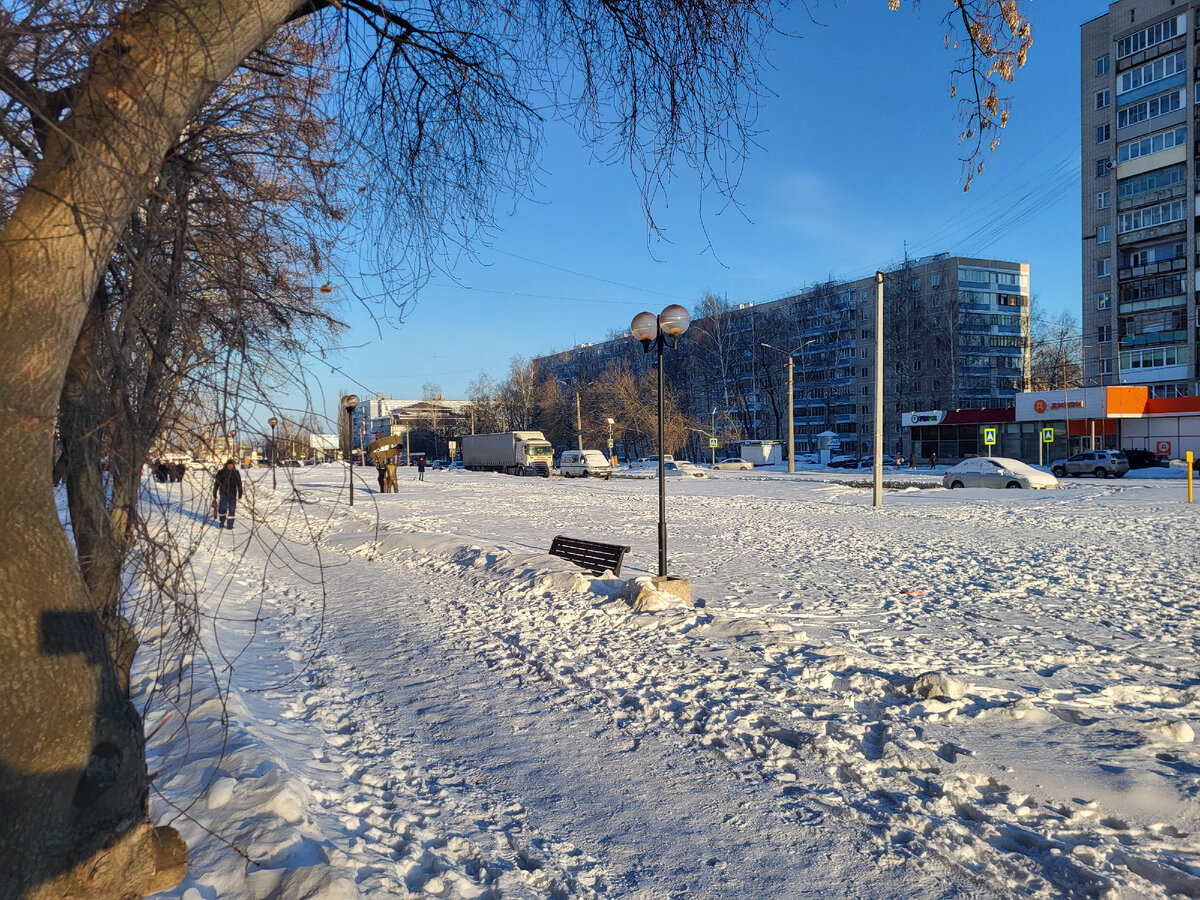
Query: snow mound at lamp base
x,y
646,594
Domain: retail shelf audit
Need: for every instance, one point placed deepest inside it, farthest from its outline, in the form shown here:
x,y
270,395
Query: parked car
x,y
457,464
868,462
1100,463
584,464
843,462
996,472
682,468
290,463
1144,459
736,463
650,461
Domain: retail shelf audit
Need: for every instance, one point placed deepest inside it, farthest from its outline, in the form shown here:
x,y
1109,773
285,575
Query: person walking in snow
x,y
227,491
933,460
420,468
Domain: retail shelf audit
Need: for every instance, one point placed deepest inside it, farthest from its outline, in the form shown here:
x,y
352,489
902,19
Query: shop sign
x,y
928,417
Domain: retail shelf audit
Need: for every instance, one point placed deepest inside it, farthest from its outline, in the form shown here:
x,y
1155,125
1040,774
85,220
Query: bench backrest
x,y
592,556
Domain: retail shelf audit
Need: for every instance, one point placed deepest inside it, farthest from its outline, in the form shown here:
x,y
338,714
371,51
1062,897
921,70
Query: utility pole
x,y
578,420
877,495
791,410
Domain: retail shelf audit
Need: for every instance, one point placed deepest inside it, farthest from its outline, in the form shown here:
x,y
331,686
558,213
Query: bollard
x,y
1189,457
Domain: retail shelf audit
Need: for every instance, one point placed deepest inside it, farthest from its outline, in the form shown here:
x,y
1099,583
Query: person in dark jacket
x,y
420,468
933,460
161,473
227,491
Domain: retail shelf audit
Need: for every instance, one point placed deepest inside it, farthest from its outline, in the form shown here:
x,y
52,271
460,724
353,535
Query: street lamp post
x,y
612,453
791,358
274,455
351,403
654,331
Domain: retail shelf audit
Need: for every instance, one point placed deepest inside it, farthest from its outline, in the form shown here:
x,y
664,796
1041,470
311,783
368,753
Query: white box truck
x,y
511,452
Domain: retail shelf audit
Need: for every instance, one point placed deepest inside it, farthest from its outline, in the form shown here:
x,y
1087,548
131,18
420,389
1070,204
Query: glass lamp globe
x,y
644,326
674,320
350,401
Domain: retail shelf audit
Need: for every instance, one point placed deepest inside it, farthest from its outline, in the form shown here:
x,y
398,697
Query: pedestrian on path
x,y
227,491
933,459
420,468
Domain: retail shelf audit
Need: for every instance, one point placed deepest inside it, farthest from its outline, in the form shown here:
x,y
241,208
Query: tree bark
x,y
73,780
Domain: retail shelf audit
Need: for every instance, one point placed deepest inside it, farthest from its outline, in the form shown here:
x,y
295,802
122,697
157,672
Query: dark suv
x,y
1144,459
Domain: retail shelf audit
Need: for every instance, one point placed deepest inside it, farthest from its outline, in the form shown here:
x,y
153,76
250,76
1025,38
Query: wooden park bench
x,y
592,556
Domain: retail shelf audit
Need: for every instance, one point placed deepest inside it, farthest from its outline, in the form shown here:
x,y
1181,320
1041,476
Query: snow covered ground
x,y
960,694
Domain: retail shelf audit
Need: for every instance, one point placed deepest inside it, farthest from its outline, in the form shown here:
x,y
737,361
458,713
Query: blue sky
x,y
858,155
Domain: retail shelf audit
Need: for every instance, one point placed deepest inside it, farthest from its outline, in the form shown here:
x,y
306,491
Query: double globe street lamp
x,y
273,422
654,332
350,402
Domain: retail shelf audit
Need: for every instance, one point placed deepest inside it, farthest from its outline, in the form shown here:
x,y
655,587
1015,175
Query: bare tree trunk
x,y
82,409
73,778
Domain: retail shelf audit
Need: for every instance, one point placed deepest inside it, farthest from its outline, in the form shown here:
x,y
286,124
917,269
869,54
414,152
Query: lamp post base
x,y
676,587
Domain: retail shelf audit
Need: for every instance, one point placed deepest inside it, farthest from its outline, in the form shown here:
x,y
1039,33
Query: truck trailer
x,y
511,452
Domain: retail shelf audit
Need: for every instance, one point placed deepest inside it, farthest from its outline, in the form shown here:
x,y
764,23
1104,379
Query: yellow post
x,y
1189,457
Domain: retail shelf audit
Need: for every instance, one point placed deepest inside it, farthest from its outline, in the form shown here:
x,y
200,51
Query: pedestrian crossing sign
x,y
1047,435
712,442
989,436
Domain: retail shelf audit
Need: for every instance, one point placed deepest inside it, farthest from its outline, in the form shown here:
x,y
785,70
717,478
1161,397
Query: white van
x,y
584,463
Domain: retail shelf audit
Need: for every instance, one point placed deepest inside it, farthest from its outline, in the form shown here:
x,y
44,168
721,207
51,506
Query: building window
x,y
1103,133
1104,334
862,354
1159,70
1104,200
864,372
1150,109
1103,166
1104,300
1102,66
1103,99
865,334
1103,234
1175,211
1129,188
1106,367
935,280
1148,37
1103,267
916,365
1150,359
866,391
1151,144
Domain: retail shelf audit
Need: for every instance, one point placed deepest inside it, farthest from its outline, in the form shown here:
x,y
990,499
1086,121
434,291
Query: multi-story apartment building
x,y
956,336
1141,273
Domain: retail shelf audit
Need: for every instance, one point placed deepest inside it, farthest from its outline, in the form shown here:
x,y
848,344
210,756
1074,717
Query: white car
x,y
584,464
1100,463
996,472
736,463
650,461
683,468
